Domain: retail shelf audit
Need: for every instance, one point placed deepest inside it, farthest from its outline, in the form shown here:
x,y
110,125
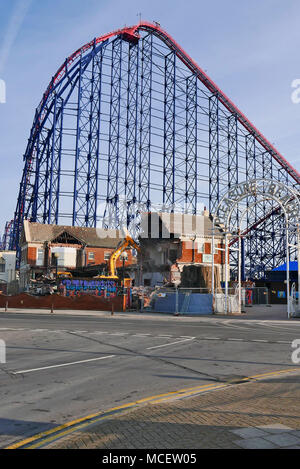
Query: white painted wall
x,y
67,256
10,260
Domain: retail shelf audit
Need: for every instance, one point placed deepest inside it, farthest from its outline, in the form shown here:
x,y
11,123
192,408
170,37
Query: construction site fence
x,y
173,300
183,300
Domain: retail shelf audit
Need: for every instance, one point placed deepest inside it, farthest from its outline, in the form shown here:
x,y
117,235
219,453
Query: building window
x,y
40,255
107,255
200,247
91,256
2,266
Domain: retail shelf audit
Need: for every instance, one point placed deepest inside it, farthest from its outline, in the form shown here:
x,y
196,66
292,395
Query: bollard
x,y
6,306
112,310
52,309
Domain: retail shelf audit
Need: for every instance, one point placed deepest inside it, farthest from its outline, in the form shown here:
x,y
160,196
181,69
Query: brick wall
x,y
187,253
31,255
99,254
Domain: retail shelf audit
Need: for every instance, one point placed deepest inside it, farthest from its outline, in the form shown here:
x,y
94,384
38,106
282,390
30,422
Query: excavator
x,y
127,243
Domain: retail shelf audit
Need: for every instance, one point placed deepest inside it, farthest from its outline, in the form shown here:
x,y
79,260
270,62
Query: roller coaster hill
x,y
131,116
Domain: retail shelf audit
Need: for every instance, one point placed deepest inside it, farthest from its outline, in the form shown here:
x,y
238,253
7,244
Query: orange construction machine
x,y
127,243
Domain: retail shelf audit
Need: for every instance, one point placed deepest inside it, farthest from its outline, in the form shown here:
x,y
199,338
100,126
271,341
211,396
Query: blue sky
x,y
250,49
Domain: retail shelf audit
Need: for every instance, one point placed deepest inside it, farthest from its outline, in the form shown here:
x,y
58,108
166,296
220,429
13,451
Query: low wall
x,y
84,302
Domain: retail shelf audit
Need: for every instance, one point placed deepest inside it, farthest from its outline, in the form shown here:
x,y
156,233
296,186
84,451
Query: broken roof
x,y
91,237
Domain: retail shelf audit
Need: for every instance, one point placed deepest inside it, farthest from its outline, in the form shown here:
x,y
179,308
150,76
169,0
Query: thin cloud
x,y
18,15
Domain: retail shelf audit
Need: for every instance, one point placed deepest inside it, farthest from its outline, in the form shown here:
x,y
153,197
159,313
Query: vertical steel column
x,y
111,212
145,122
131,134
214,162
191,145
253,246
41,185
233,171
87,142
233,158
169,130
56,164
77,147
93,141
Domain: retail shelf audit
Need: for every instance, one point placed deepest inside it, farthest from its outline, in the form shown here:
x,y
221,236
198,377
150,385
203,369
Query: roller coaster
x,y
131,117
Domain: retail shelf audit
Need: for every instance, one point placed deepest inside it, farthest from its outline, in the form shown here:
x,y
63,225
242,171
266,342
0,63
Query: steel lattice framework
x,y
130,116
7,239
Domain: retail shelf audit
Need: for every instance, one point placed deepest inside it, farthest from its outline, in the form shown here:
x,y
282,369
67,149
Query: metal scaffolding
x,y
131,117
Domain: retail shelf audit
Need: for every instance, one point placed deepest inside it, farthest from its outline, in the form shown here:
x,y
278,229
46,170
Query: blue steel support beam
x,y
131,132
191,146
169,130
214,160
56,151
145,122
112,200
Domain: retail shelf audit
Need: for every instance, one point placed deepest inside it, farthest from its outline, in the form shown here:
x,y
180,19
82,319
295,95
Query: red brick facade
x,y
190,254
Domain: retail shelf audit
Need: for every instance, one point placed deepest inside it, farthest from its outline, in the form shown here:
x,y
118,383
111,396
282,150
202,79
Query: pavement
x,y
70,370
264,414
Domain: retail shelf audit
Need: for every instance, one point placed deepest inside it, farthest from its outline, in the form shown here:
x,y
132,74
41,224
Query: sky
x,y
249,48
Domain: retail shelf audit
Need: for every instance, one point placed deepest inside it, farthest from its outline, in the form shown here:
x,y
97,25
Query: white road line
x,y
62,364
117,333
258,340
235,339
172,343
210,338
140,335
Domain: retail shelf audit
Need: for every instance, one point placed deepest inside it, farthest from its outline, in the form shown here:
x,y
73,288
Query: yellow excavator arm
x,y
127,242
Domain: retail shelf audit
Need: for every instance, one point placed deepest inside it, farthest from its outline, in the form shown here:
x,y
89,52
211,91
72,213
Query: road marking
x,y
235,339
43,438
172,343
140,335
211,338
259,340
62,364
117,333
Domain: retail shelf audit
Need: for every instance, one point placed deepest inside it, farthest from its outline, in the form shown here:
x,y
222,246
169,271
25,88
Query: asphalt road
x,y
60,368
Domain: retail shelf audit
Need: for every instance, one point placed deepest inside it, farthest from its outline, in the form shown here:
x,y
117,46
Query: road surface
x,y
62,367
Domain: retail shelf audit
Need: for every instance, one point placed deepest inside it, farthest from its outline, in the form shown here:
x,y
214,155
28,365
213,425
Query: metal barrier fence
x,y
196,300
255,296
173,300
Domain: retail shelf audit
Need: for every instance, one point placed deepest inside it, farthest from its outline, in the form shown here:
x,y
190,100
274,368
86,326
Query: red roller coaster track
x,y
133,32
